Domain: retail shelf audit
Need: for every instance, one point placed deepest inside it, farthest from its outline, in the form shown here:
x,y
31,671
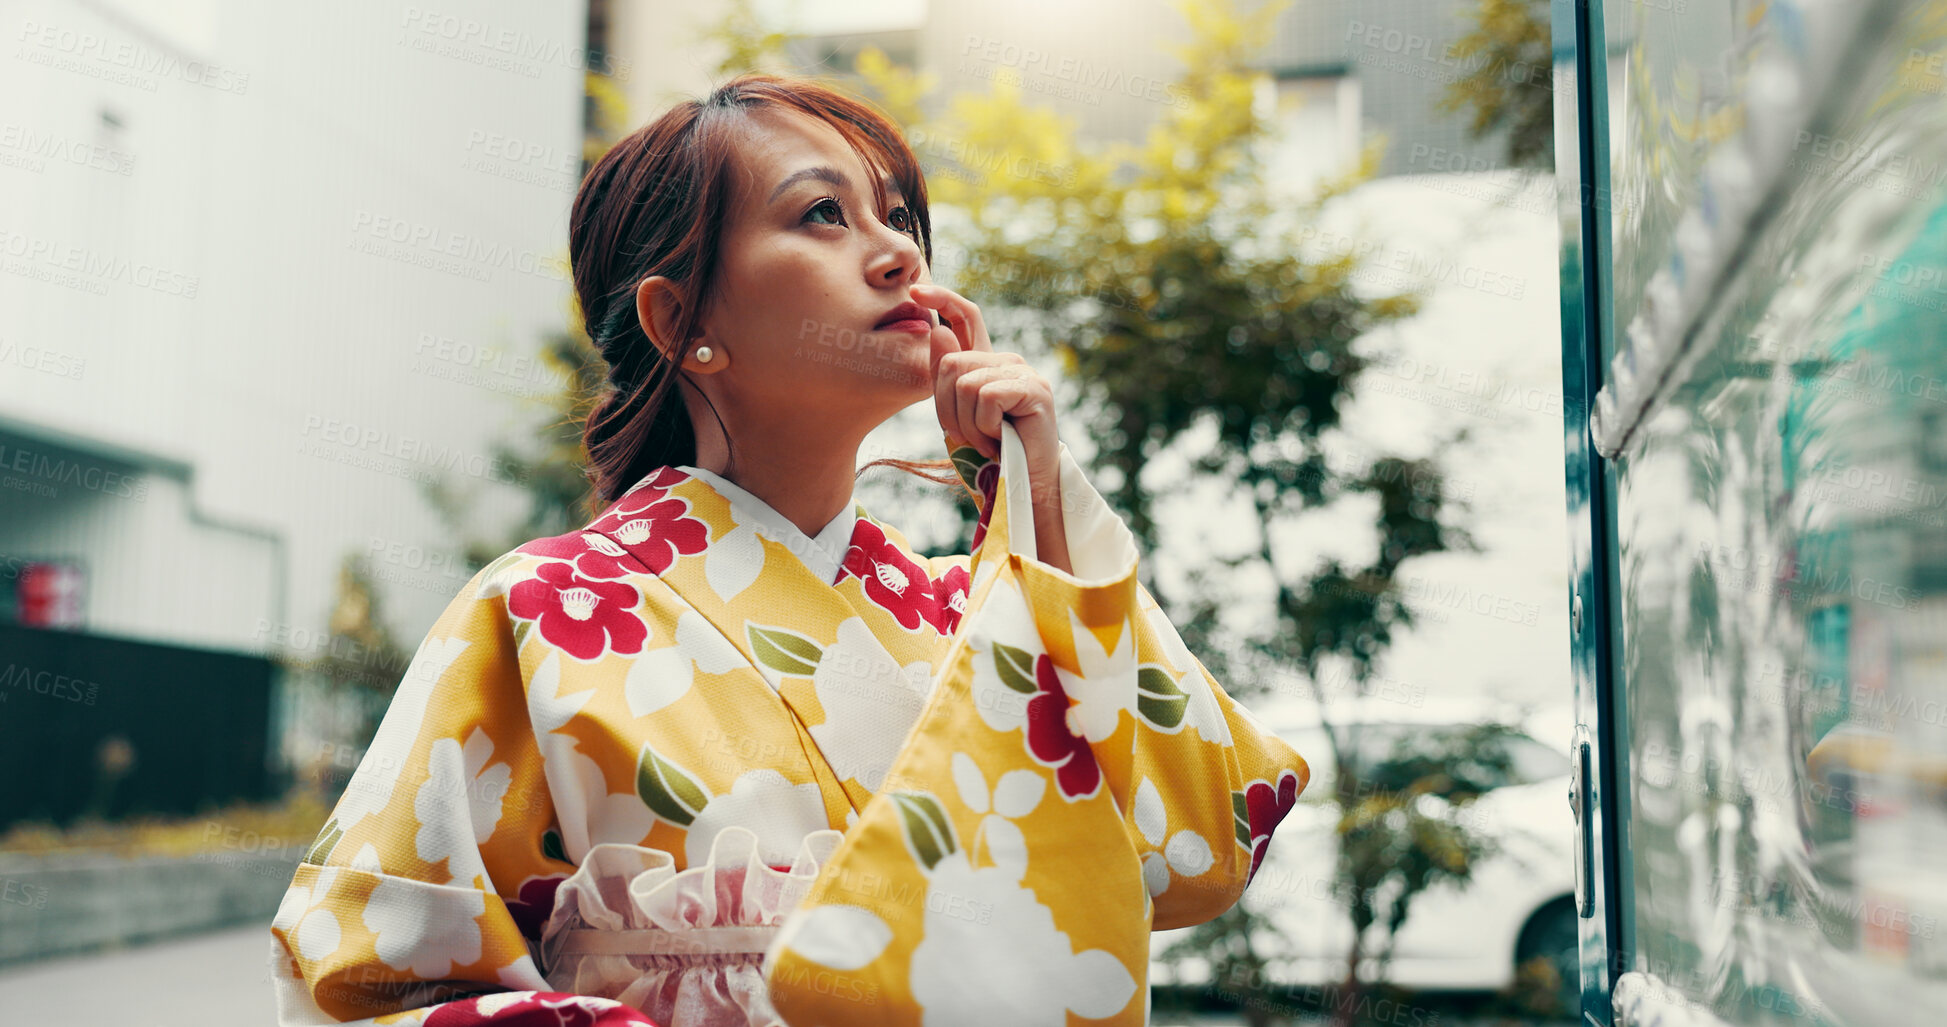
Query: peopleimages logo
x,y
338,440
43,469
31,150
1031,61
132,64
455,253
427,30
87,269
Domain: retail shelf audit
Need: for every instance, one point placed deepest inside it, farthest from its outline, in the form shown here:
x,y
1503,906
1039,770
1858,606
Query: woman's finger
x,y
956,312
1014,392
942,342
946,405
955,413
997,389
966,391
999,399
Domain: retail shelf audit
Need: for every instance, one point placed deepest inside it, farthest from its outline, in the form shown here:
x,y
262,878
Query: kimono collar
x,y
822,554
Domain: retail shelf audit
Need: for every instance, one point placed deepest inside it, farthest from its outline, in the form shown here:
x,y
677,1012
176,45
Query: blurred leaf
x,y
1510,84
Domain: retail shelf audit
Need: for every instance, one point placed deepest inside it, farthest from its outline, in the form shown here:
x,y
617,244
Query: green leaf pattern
x,y
1159,699
673,793
929,834
1016,668
327,840
783,650
967,462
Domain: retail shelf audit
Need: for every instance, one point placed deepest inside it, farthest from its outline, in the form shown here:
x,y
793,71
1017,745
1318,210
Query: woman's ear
x,y
659,306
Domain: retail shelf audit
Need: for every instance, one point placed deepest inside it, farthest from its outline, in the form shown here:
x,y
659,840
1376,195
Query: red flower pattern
x,y
536,1009
647,492
534,904
582,617
1267,807
1052,742
892,581
657,532
951,591
594,555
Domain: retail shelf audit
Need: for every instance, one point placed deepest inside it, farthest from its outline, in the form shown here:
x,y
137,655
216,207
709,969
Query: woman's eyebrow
x,y
829,175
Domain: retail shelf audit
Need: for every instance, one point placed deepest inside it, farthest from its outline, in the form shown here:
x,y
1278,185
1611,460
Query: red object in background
x,y
50,595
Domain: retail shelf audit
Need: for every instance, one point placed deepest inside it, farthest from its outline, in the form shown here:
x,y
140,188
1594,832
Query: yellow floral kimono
x,y
660,770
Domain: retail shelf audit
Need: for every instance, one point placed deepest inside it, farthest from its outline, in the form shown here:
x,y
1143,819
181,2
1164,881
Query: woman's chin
x,y
903,378
906,369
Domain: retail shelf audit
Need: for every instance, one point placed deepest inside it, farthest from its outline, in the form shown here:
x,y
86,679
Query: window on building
x,y
1317,125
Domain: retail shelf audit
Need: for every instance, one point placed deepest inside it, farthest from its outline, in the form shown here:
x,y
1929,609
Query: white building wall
x,y
264,242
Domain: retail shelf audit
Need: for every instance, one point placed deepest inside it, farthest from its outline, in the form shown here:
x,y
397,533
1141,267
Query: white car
x,y
1519,905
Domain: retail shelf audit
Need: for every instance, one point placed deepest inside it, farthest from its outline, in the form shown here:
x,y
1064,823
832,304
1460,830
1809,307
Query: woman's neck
x,y
808,489
806,475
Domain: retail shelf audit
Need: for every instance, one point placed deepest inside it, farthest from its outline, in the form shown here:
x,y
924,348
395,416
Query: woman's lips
x,y
911,324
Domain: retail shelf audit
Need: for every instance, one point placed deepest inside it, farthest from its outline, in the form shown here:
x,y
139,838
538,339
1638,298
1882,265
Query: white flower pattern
x,y
587,812
427,929
840,937
1013,936
660,677
777,811
959,960
312,928
466,778
371,786
870,703
733,562
1185,852
1106,685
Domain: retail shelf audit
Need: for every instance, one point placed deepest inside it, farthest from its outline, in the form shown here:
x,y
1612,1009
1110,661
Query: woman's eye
x,y
901,218
828,205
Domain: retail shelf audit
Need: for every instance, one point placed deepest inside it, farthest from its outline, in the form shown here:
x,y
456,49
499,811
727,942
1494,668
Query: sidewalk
x,y
222,979
218,979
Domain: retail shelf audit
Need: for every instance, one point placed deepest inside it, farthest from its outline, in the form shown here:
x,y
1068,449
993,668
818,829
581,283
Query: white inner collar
x,y
823,553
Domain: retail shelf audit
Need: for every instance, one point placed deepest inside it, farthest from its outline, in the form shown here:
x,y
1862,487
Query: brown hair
x,y
655,204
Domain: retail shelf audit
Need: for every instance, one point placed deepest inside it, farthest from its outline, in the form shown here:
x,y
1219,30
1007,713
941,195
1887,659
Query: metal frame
x,y
1602,798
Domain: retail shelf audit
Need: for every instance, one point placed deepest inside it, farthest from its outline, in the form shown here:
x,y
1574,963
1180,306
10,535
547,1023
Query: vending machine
x,y
1753,201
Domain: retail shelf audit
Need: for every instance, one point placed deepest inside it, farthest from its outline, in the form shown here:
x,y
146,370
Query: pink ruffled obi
x,y
687,948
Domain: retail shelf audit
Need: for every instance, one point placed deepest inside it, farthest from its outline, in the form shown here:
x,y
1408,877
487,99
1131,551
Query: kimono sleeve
x,y
1075,781
409,899
1201,783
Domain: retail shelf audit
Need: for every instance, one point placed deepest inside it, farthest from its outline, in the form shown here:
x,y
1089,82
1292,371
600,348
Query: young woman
x,y
732,753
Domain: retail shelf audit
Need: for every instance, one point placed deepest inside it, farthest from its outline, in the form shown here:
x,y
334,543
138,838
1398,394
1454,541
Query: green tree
x,y
748,44
1510,83
1169,277
351,677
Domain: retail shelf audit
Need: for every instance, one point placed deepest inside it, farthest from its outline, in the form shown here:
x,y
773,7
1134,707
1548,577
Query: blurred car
x,y
1518,906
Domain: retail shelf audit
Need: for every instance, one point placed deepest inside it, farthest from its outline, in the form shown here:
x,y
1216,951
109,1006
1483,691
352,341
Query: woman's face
x,y
808,268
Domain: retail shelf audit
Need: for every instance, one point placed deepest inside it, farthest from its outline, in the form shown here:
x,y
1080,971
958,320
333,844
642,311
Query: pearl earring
x,y
703,354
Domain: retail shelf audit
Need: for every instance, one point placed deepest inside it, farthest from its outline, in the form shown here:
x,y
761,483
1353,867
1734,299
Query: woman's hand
x,y
974,388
